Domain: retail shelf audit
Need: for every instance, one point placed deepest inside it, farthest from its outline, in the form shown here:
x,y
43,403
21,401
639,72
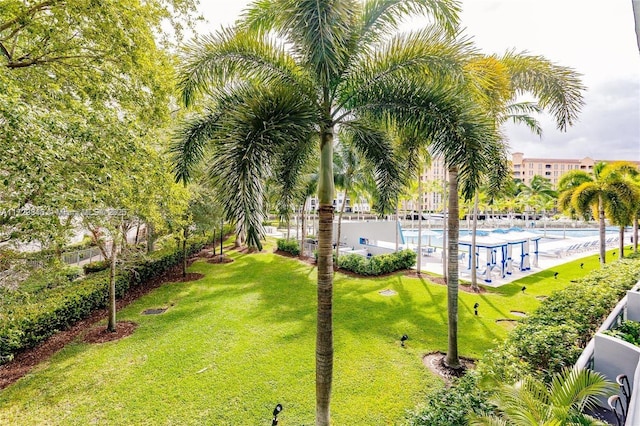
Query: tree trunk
x,y
111,324
445,240
621,243
185,234
151,237
340,226
603,248
635,234
452,360
419,266
303,224
472,251
324,334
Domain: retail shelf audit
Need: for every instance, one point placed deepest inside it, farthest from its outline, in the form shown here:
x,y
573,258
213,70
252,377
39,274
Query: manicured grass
x,y
235,343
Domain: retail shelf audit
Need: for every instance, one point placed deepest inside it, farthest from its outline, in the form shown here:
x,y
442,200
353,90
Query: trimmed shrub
x,y
450,406
555,334
28,318
378,265
542,344
96,266
290,246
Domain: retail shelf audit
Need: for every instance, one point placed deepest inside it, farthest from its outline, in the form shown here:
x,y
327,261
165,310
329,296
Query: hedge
x,y
378,265
290,246
27,319
542,344
553,336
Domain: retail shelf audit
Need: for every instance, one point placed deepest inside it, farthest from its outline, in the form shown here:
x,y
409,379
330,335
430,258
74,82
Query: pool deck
x,y
433,263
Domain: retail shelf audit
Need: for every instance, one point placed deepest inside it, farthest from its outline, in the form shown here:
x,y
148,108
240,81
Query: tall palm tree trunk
x,y
621,243
472,252
452,360
445,241
324,335
601,228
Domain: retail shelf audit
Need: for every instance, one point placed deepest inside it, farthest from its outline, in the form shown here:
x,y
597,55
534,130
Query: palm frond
x,y
381,17
253,133
428,53
214,60
375,146
557,88
578,389
190,139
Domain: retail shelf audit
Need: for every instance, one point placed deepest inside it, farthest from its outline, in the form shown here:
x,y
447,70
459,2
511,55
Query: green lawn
x,y
232,345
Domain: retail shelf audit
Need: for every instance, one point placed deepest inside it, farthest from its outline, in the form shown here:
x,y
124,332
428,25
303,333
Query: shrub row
x,y
28,319
628,330
542,344
96,266
290,246
555,334
378,265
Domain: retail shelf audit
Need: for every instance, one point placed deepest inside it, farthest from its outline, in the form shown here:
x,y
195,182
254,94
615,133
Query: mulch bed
x,y
25,360
99,333
435,362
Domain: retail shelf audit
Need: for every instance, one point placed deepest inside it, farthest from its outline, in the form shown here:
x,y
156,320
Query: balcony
x,y
618,361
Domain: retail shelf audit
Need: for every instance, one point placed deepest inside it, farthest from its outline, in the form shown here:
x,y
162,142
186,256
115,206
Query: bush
x,y
96,266
290,246
628,330
450,406
541,345
29,317
554,335
378,265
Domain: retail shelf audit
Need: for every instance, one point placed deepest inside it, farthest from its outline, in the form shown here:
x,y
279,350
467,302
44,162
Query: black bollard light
x,y
582,266
475,308
555,275
403,339
523,288
276,411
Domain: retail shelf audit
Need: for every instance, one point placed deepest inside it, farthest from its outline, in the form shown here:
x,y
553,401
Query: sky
x,y
594,37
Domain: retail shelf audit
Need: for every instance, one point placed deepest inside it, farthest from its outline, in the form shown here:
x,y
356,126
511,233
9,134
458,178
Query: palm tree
x,y
537,193
596,194
530,402
281,83
492,86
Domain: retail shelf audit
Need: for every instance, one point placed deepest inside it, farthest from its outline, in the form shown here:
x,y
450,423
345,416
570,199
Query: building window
x,y
547,173
547,166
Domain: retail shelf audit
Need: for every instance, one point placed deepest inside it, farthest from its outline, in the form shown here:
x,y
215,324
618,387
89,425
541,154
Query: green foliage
x,y
628,330
290,246
40,309
378,265
553,337
451,406
97,266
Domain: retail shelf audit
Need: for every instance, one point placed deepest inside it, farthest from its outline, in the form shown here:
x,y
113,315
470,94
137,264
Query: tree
x,y
331,65
594,195
562,402
537,193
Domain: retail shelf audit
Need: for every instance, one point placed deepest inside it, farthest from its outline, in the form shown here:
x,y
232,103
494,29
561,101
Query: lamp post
x,y
276,411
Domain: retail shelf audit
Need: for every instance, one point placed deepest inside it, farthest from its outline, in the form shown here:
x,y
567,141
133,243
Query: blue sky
x,y
595,37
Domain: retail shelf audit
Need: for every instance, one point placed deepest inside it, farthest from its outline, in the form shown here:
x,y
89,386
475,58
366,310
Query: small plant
x,y
629,331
